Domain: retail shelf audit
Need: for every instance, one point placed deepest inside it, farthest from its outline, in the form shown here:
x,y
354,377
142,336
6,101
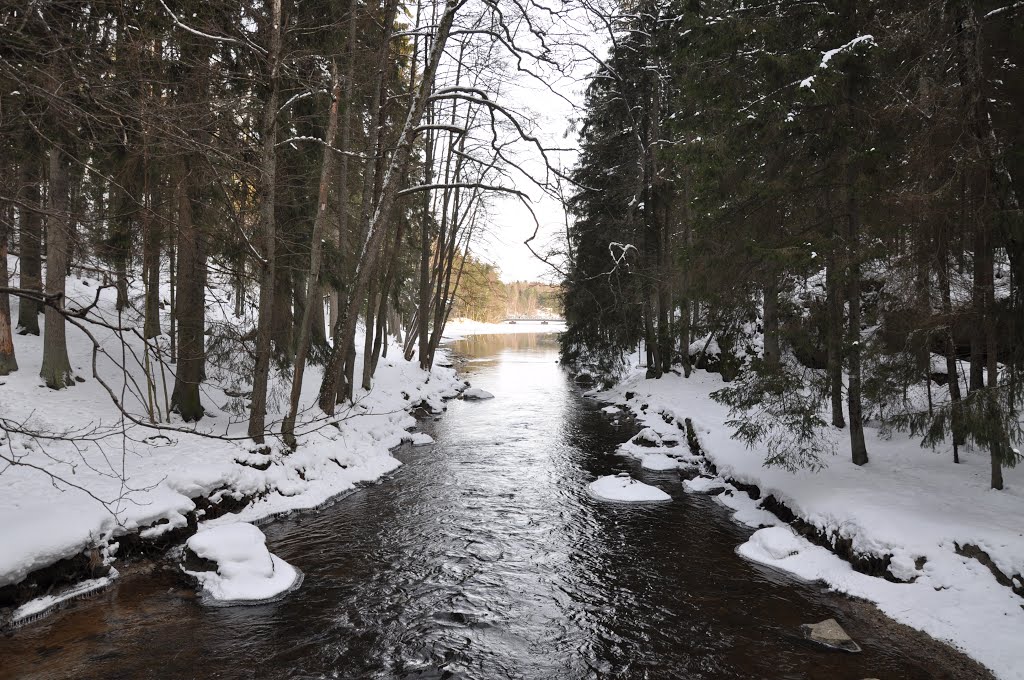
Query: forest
x,y
256,180
820,201
483,296
786,245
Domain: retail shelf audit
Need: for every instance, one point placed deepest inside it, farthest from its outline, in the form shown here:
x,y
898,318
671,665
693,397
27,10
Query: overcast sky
x,y
510,221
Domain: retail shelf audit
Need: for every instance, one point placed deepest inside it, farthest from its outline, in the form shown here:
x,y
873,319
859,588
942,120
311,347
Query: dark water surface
x,y
484,557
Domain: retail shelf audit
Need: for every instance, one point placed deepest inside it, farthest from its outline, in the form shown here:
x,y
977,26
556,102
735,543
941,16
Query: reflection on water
x,y
492,347
483,557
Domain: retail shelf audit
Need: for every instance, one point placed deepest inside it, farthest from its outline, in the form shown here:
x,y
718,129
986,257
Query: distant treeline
x,y
482,296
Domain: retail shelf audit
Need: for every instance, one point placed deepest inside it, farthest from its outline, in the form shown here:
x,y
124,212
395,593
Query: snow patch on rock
x,y
246,570
624,489
476,394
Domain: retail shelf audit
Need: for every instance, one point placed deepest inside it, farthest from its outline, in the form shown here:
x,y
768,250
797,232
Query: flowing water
x,y
484,557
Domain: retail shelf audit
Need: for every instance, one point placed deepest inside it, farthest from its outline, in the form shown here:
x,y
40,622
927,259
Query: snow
x,y
658,461
476,394
909,503
145,480
703,484
772,543
623,488
459,328
826,57
246,570
420,439
47,603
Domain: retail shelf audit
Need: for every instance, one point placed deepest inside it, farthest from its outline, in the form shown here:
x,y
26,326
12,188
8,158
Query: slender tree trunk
x,y
268,231
857,444
151,233
344,237
978,334
685,307
189,307
56,369
30,235
371,311
772,352
372,179
314,297
423,318
172,266
8,362
380,342
952,372
366,266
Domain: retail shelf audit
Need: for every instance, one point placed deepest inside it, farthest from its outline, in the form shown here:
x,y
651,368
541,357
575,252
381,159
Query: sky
x,y
511,221
552,108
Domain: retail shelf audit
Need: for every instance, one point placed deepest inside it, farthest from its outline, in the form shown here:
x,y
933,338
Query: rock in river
x,y
476,394
830,634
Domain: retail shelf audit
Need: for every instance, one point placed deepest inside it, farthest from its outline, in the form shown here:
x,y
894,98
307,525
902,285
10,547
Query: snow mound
x,y
476,394
246,570
773,543
420,439
705,485
658,461
625,489
647,437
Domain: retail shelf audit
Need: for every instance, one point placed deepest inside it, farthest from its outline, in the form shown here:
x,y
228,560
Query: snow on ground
x,y
911,503
623,488
246,570
65,497
459,328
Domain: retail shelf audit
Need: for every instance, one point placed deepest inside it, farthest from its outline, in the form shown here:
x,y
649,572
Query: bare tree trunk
x,y
834,337
372,180
423,325
268,230
8,362
314,297
857,444
189,307
978,334
151,232
380,341
396,173
772,352
30,240
343,174
685,328
952,372
56,369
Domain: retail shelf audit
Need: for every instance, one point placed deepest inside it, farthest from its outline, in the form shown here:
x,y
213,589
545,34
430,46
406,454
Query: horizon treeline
x,y
325,162
483,296
828,194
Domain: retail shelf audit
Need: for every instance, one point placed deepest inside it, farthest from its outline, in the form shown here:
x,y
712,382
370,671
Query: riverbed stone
x,y
830,634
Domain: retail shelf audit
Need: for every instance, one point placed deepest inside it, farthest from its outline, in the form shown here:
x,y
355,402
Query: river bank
x,y
84,490
925,540
483,556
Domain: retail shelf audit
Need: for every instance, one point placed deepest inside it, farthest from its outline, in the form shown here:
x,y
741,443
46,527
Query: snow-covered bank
x,y
910,509
102,488
459,328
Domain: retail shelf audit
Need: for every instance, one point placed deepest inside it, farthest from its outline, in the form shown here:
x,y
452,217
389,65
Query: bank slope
x,y
912,510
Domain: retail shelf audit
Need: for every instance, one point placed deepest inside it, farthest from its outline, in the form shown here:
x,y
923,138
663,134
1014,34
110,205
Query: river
x,y
484,557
